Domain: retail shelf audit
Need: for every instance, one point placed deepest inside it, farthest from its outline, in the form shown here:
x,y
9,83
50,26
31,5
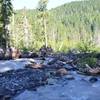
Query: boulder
x,y
33,55
45,51
15,53
34,66
93,79
61,72
94,71
12,53
25,54
28,54
1,54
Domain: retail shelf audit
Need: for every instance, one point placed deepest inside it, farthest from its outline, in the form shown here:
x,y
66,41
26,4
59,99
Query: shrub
x,y
86,46
91,61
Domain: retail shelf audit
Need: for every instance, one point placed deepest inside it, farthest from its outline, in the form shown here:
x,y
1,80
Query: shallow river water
x,y
62,89
79,88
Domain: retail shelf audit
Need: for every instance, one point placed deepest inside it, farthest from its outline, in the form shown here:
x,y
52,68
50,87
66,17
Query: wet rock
x,y
1,54
12,53
51,81
53,61
45,51
61,72
33,55
69,67
98,63
89,71
16,81
1,97
94,71
25,54
5,94
60,63
28,54
52,67
7,97
69,77
93,79
8,54
98,56
15,53
34,66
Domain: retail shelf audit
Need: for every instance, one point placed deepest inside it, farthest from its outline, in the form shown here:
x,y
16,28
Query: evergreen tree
x,y
6,12
42,8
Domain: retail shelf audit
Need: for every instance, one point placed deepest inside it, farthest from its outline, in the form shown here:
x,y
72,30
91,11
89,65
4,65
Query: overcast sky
x,y
18,4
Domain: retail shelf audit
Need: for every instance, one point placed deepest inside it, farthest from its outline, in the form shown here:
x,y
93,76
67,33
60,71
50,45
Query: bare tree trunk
x,y
54,39
26,32
6,35
45,33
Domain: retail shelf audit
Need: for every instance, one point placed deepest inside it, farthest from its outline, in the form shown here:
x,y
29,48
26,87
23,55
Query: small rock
x,y
60,63
37,66
44,51
61,72
1,97
51,81
69,67
34,66
70,77
1,54
33,55
7,97
93,79
52,61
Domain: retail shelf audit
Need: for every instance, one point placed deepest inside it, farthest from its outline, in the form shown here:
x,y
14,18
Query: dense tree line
x,y
67,26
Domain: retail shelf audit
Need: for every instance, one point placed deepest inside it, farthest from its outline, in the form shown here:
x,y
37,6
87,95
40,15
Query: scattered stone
x,y
44,51
53,61
1,54
5,94
25,54
70,77
69,67
8,54
98,63
1,97
54,66
16,81
60,63
28,54
93,79
51,81
33,55
7,97
34,66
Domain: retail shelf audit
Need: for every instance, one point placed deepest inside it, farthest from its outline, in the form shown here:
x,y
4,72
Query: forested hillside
x,y
68,26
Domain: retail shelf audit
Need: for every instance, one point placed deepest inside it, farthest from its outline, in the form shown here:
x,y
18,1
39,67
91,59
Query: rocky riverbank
x,y
28,74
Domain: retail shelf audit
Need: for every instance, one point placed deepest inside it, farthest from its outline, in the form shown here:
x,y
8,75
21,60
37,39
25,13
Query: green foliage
x,y
91,61
6,11
65,27
42,8
42,5
86,46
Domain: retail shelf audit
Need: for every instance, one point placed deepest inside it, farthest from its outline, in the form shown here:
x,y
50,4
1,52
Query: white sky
x,y
18,4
